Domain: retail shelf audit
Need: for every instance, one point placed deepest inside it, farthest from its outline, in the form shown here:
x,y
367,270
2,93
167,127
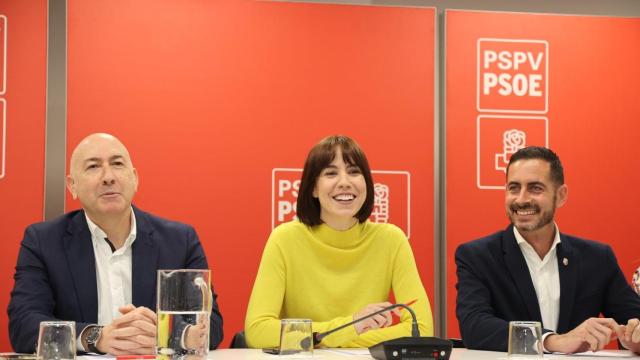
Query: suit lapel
x,y
568,271
144,263
82,265
520,273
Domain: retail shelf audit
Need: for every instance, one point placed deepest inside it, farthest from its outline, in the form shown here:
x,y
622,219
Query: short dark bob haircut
x,y
320,157
556,172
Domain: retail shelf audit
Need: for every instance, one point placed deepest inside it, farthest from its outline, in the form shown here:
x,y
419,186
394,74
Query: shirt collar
x,y
521,241
97,233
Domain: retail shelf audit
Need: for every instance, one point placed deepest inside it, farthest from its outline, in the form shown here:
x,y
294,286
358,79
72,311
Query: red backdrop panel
x,y
23,37
211,97
572,83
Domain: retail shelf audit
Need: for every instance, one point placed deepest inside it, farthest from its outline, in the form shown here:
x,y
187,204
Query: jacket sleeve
x,y
32,299
196,259
621,302
479,326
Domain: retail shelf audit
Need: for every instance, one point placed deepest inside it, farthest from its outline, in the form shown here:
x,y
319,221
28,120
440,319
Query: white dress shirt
x,y
636,280
545,277
113,273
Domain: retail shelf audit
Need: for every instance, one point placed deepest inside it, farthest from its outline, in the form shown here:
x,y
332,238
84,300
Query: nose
x,y
343,180
522,196
108,177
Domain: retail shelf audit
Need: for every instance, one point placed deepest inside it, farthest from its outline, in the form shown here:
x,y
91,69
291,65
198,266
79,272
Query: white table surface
x,y
319,354
457,354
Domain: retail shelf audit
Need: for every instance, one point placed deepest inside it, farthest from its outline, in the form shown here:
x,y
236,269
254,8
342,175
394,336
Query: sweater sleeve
x,y
262,323
407,286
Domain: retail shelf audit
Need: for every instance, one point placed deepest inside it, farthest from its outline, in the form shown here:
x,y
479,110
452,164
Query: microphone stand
x,y
412,347
415,331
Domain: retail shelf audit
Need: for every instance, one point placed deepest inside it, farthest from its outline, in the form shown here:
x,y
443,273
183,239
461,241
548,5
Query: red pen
x,y
396,318
411,302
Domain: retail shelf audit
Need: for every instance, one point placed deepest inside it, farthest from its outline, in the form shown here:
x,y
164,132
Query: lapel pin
x,y
565,261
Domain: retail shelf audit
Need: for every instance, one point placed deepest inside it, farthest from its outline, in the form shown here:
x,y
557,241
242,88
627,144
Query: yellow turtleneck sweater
x,y
327,275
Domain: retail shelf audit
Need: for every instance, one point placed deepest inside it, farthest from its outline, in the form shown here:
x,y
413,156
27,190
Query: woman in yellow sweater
x,y
333,265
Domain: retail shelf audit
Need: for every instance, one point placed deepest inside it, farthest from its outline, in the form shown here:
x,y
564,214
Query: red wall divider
x,y
23,43
568,82
212,97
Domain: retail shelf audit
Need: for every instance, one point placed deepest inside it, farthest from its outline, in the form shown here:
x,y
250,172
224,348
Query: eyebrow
x,y
527,184
536,183
97,159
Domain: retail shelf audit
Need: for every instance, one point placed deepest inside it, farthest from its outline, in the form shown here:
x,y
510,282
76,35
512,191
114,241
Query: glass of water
x,y
525,340
296,338
184,309
57,340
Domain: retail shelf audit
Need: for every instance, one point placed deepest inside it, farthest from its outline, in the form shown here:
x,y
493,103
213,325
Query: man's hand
x,y
375,322
132,333
593,334
197,334
629,335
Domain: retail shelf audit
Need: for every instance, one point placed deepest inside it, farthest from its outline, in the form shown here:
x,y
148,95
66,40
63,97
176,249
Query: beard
x,y
546,217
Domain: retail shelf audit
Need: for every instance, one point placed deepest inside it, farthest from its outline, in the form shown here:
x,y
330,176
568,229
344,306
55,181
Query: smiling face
x,y
102,177
341,190
531,198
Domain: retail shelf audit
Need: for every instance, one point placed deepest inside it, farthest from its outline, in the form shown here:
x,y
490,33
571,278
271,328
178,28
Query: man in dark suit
x,y
531,271
97,266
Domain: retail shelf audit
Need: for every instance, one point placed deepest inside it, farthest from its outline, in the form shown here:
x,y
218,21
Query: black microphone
x,y
409,347
415,331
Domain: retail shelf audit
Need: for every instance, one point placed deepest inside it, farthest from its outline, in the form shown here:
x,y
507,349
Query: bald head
x,y
84,149
102,176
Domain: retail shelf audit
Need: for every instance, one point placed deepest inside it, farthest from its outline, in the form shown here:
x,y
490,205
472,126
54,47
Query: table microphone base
x,y
412,348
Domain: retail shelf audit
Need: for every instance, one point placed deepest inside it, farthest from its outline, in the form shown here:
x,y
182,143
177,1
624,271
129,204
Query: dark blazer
x,y
55,275
494,287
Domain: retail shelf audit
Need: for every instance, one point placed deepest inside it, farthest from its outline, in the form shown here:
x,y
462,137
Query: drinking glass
x,y
296,338
184,310
57,340
525,340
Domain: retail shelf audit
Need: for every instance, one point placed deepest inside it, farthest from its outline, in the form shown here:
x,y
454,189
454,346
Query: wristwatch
x,y
93,335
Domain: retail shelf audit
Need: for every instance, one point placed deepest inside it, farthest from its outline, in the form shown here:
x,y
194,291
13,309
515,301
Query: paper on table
x,y
602,353
95,357
350,352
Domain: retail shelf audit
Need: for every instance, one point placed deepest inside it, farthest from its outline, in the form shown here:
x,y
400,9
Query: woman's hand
x,y
375,322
